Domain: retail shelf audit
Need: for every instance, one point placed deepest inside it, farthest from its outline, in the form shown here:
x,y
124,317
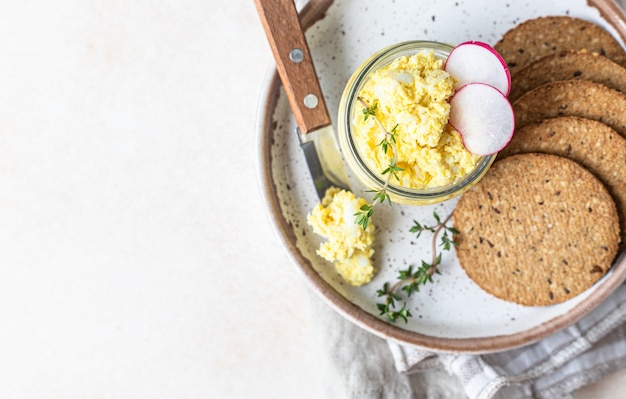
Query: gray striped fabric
x,y
556,366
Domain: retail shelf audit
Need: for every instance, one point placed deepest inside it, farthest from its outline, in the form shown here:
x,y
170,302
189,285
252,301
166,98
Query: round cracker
x,y
572,98
567,65
538,37
537,230
594,145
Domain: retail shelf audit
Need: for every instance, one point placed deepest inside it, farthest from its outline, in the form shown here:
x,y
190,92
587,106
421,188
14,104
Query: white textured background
x,y
136,257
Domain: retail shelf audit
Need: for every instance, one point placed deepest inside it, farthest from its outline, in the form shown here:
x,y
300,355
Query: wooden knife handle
x,y
293,62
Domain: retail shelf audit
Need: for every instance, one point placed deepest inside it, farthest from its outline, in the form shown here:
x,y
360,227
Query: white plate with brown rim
x,y
453,314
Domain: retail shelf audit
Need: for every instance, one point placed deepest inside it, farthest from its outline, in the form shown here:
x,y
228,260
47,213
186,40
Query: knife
x,y
296,70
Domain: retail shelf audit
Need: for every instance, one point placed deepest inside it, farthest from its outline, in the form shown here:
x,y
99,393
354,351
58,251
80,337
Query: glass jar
x,y
350,108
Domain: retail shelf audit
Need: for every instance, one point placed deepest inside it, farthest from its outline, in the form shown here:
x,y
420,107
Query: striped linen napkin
x,y
581,354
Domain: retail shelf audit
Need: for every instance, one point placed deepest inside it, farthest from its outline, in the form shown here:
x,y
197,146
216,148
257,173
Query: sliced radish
x,y
473,61
483,116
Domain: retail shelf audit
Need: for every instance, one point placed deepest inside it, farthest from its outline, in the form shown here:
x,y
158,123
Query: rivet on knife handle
x,y
293,62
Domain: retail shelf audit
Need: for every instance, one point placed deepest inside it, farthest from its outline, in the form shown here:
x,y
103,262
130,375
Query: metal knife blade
x,y
323,159
297,73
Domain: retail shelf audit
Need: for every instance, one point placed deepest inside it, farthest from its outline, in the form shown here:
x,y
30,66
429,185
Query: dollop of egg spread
x,y
347,244
410,96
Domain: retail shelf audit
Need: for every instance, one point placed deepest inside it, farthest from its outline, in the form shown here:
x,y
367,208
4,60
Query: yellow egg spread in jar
x,y
393,115
347,244
409,97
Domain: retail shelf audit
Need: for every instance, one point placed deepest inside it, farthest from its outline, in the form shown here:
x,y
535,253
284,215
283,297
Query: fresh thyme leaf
x,y
404,274
404,313
381,196
416,228
371,111
453,230
364,215
382,308
383,291
436,216
445,241
394,170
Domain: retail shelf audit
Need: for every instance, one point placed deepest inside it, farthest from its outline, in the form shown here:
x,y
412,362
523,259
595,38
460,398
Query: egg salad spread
x,y
410,97
347,245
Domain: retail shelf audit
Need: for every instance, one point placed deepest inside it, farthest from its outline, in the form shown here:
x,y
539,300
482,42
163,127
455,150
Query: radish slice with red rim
x,y
484,118
473,61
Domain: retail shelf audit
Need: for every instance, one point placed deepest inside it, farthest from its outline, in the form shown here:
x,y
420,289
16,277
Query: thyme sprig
x,y
410,280
365,213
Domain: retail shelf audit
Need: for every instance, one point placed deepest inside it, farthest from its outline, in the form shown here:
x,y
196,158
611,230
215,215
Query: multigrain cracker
x,y
572,98
594,145
536,38
537,230
567,65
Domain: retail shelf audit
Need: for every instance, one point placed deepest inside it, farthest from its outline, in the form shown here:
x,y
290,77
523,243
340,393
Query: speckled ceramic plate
x,y
453,314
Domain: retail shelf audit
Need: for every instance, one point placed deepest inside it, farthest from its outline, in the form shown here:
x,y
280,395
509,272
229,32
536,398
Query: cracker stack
x,y
573,98
536,238
568,65
546,221
540,37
